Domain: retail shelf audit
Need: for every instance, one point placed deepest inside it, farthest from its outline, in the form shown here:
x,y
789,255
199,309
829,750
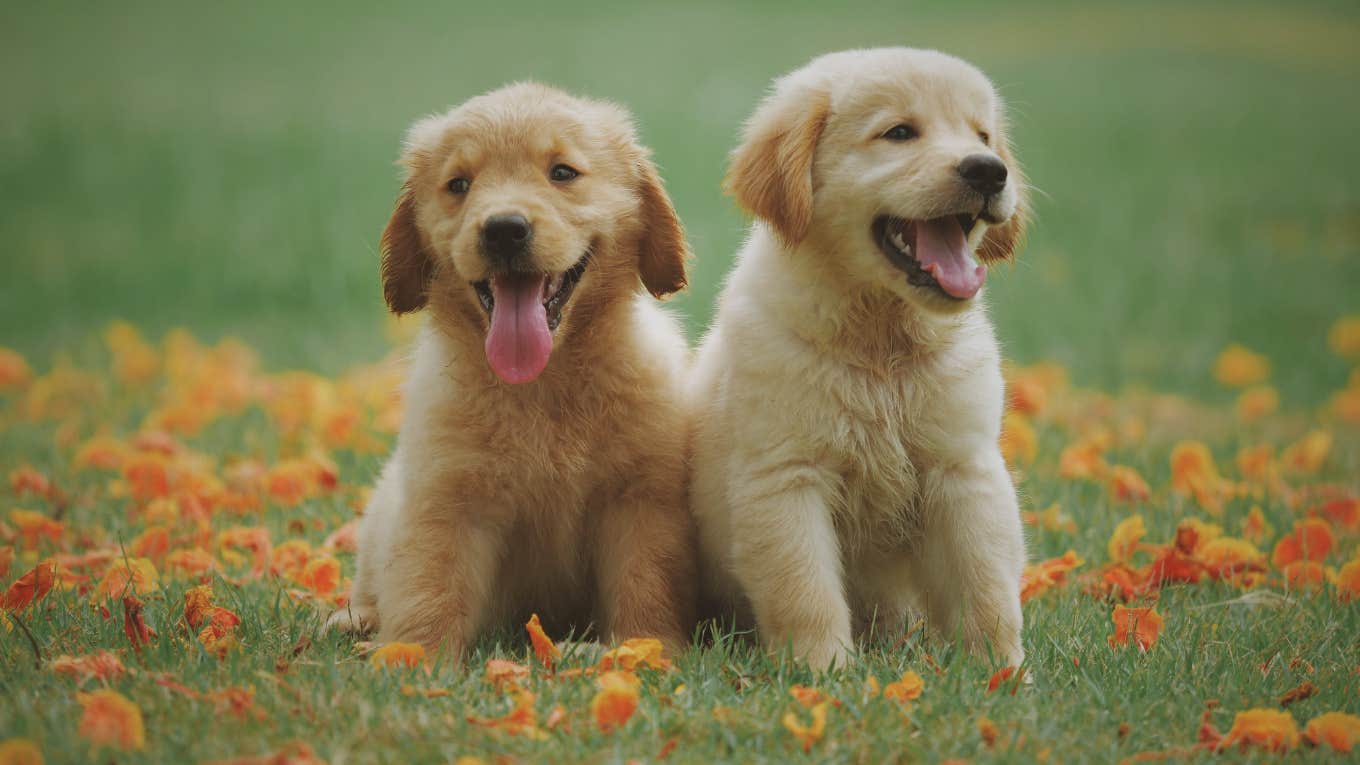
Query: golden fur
x,y
566,495
846,470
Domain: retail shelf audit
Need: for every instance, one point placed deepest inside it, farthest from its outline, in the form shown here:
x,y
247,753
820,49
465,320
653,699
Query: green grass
x,y
228,168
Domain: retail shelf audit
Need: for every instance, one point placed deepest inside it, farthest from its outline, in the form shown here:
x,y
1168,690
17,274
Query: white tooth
x,y
554,284
898,242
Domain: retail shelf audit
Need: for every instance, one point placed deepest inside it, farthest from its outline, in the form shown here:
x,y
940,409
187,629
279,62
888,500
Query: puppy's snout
x,y
983,173
506,238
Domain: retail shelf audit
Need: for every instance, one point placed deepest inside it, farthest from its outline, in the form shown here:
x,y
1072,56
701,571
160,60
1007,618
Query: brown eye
x,y
985,137
460,185
562,173
900,133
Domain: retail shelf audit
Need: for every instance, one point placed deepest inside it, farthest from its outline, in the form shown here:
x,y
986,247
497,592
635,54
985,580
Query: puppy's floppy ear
x,y
1001,242
770,173
663,250
406,264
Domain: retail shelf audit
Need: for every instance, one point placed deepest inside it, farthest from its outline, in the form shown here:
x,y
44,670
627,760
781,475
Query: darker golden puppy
x,y
540,465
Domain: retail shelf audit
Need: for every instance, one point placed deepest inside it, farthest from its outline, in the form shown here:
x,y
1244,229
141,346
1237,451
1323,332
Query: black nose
x,y
506,237
984,173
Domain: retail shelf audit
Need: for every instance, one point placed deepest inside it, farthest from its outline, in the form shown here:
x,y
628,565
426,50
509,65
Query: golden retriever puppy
x,y
540,465
849,395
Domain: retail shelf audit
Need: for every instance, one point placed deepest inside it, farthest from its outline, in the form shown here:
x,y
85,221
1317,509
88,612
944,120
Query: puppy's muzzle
x,y
983,173
505,241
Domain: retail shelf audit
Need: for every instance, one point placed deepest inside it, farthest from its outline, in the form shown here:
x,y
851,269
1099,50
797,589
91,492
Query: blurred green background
x,y
228,167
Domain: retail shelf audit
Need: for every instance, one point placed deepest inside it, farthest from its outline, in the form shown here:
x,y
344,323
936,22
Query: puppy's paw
x,y
829,654
352,619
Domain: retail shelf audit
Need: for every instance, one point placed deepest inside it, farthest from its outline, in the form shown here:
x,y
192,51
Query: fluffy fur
x,y
565,495
846,470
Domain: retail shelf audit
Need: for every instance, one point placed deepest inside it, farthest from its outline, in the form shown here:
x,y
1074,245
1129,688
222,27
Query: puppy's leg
x,y
972,555
646,566
787,558
375,548
445,557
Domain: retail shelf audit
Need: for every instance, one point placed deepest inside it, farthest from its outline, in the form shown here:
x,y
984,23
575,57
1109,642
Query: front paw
x,y
824,655
352,619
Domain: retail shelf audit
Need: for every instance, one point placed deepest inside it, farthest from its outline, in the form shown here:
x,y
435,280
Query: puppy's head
x,y
894,160
525,210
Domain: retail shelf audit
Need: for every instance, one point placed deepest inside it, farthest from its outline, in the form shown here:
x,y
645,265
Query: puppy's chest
x,y
881,438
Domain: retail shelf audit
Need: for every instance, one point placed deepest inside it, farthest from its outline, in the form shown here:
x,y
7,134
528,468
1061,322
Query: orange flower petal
x,y
616,700
1268,729
1143,625
398,655
1339,730
544,648
111,719
906,688
1125,538
19,751
810,733
1311,539
635,652
100,665
30,587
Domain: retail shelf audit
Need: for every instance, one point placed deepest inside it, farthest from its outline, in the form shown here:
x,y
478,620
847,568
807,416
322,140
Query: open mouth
x,y
934,254
525,309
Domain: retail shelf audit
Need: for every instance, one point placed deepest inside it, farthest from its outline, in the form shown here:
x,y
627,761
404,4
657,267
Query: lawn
x,y
217,178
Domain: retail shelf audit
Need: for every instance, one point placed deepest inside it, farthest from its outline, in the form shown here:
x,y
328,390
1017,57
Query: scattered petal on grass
x,y
398,655
1304,690
1344,513
111,719
810,733
30,587
1268,729
616,699
906,688
1312,539
499,672
1014,675
1257,402
808,697
101,665
1143,625
1019,443
1237,367
1348,582
1339,730
1343,339
1040,577
988,732
1125,538
20,751
544,649
133,576
14,370
1308,454
1082,460
36,529
634,653
321,575
1051,518
1255,527
1126,485
520,721
138,632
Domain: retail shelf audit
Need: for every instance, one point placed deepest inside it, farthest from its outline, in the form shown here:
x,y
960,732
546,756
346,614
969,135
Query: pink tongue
x,y
942,251
519,342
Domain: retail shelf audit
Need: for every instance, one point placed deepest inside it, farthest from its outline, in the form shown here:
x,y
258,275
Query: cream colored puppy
x,y
540,465
849,395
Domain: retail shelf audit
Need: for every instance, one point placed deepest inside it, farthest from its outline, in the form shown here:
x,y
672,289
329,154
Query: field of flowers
x,y
178,520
